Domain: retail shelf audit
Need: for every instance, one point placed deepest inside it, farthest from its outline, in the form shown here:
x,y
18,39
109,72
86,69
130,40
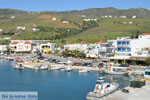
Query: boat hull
x,y
115,73
94,97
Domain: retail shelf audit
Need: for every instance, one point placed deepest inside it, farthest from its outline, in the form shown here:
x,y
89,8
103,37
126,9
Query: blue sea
x,y
52,85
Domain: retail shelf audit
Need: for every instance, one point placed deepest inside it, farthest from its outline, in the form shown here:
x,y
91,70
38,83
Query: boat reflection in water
x,y
123,80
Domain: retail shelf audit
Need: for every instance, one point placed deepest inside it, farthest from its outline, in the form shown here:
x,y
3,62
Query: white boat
x,y
62,69
68,69
102,90
41,67
84,71
147,74
116,70
18,66
100,81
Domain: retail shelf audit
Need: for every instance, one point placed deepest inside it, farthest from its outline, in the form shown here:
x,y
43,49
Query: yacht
x,y
102,90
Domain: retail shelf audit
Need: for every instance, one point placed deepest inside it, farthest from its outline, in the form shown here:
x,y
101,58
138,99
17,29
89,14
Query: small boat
x,y
62,69
101,78
18,66
147,74
84,71
100,81
68,69
41,67
102,90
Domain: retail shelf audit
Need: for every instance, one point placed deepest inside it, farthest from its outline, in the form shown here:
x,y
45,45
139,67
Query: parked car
x,y
41,58
55,60
64,62
77,64
87,64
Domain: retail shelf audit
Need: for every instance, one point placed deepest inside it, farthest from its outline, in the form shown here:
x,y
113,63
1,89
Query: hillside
x,y
98,12
76,30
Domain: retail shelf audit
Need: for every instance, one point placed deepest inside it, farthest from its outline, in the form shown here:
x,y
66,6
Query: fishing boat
x,y
116,69
18,66
102,90
83,71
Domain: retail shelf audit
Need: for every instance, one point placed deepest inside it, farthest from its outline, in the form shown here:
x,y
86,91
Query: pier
x,y
134,94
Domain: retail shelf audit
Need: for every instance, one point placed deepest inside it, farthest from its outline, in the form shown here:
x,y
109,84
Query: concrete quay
x,y
134,94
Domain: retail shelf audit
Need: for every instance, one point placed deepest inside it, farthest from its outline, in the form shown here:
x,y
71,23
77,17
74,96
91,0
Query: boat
x,y
147,74
62,69
41,67
18,66
83,71
68,69
100,79
102,90
116,69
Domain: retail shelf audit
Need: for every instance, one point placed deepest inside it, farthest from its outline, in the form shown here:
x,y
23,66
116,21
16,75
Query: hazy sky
x,y
64,5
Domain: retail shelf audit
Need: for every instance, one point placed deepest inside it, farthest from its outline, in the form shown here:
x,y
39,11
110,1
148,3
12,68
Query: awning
x,y
119,57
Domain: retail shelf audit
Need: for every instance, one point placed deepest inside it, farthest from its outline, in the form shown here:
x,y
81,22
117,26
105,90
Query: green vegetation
x,y
147,61
74,53
4,42
76,30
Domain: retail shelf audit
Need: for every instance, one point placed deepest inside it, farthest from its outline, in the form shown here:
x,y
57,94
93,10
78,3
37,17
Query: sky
x,y
66,5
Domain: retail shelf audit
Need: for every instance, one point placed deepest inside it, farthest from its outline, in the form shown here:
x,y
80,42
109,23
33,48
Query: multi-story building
x,y
133,47
47,47
20,46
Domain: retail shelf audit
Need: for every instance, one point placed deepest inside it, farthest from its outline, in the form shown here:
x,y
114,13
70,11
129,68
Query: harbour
x,y
51,83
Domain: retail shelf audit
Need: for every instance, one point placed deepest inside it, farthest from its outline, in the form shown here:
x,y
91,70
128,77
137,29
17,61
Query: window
x,y
147,73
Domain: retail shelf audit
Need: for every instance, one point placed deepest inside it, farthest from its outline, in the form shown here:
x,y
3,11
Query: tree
x,y
147,61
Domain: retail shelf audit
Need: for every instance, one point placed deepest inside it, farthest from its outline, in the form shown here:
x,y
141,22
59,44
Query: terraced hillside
x,y
75,30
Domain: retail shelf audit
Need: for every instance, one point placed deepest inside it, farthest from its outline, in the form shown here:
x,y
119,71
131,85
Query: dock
x,y
134,94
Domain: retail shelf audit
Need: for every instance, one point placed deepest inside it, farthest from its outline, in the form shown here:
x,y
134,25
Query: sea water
x,y
52,85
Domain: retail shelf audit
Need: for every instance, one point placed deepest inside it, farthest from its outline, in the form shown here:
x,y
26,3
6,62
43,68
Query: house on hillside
x,y
65,22
21,28
35,29
1,31
54,18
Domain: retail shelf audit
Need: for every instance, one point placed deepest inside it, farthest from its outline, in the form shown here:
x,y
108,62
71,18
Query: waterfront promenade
x,y
134,94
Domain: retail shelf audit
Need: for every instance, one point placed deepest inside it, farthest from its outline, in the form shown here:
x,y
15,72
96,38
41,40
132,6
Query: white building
x,y
20,46
3,48
54,18
76,46
65,22
35,29
21,28
12,17
47,47
1,30
133,16
90,19
133,47
106,49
